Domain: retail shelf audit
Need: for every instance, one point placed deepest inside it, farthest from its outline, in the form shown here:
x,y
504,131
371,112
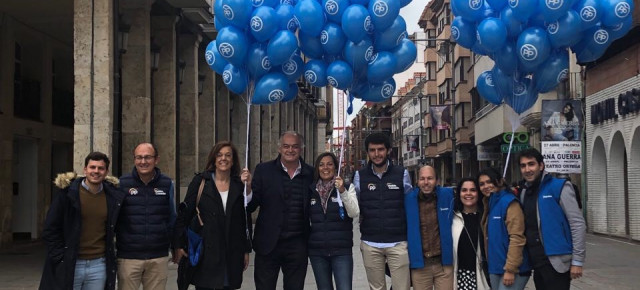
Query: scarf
x,y
324,189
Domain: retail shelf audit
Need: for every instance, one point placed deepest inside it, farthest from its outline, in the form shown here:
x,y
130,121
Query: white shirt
x,y
224,195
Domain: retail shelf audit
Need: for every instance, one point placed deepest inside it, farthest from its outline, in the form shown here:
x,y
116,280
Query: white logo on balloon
x,y
369,53
588,13
310,76
228,12
227,77
368,26
324,37
489,80
513,3
622,9
380,9
529,52
256,23
373,58
519,89
387,91
276,96
257,3
562,75
455,32
226,50
554,4
601,36
210,57
401,37
290,67
475,4
332,81
331,7
266,63
290,2
292,24
553,27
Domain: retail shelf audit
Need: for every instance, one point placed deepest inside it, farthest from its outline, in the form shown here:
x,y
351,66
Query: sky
x,y
411,13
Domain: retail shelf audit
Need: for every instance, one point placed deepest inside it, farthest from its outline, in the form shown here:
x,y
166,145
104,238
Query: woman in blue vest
x,y
468,240
224,222
331,214
503,226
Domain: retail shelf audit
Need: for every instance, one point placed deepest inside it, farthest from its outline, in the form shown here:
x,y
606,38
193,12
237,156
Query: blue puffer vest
x,y
554,226
498,240
330,234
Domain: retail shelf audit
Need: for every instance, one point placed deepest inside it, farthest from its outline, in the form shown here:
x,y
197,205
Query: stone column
x,y
136,80
7,52
164,94
188,123
265,132
239,125
222,109
206,113
275,130
93,71
255,144
284,118
320,141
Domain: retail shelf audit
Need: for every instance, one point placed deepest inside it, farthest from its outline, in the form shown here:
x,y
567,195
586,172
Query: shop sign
x,y
562,156
515,148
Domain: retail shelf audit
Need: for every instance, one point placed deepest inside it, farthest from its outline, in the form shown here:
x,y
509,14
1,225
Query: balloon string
x,y
344,134
506,164
246,159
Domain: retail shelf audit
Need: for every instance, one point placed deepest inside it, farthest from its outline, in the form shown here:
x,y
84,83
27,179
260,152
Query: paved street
x,y
611,264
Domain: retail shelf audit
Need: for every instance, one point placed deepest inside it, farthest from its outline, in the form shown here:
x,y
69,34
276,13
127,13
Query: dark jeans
x,y
547,278
289,255
340,266
202,288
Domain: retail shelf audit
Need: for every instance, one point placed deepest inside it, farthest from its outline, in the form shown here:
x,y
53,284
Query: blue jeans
x,y
518,283
340,266
90,274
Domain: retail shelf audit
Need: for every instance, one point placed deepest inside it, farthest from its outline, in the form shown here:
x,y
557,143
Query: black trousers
x,y
547,278
289,255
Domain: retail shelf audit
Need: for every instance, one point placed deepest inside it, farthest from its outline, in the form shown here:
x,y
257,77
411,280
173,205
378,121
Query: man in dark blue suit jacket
x,y
280,237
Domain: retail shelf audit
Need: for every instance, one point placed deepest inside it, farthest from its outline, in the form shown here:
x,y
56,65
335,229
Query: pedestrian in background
x,y
503,225
469,255
226,245
145,223
332,209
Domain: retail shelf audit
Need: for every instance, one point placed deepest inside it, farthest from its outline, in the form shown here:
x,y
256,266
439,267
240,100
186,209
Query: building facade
x,y
81,76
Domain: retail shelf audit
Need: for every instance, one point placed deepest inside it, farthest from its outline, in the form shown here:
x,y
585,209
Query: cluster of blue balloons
x,y
355,45
529,41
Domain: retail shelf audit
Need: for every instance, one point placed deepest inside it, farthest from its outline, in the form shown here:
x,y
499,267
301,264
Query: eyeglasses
x,y
145,157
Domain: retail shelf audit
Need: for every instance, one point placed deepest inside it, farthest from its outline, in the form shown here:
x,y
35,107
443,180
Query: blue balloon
x,y
355,21
513,25
332,39
217,23
285,18
264,23
381,67
404,3
265,3
615,11
487,11
310,17
620,30
215,61
565,31
334,9
271,88
292,92
593,44
405,54
533,48
237,12
537,19
552,72
281,47
523,9
232,44
463,32
487,89
552,10
315,73
218,11
470,10
289,2
524,96
235,78
507,58
293,67
358,55
492,34
258,63
479,49
497,4
310,46
380,92
590,12
383,13
340,75
391,37
503,82
360,2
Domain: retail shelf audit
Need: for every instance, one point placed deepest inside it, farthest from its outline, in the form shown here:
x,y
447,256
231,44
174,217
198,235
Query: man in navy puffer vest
x,y
145,223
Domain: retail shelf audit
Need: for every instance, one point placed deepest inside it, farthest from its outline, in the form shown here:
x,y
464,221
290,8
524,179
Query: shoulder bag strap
x,y
198,201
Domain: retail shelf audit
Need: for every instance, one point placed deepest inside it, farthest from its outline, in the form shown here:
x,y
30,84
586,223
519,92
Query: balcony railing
x,y
485,110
